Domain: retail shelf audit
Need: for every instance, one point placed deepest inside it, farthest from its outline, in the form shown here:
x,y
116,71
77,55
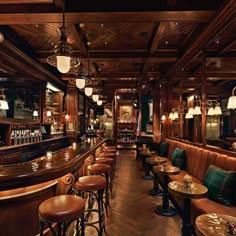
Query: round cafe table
x,y
195,190
146,154
213,224
154,161
165,209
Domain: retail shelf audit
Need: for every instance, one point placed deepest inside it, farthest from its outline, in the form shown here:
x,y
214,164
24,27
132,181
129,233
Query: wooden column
x,y
71,106
181,114
165,105
156,114
204,99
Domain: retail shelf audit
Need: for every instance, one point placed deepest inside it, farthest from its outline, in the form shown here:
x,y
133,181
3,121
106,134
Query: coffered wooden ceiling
x,y
133,44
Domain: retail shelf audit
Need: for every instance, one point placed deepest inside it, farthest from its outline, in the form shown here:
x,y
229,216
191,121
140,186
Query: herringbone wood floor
x,y
131,211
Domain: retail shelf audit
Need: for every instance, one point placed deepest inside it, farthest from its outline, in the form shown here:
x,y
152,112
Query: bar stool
x,y
63,210
104,170
94,185
111,162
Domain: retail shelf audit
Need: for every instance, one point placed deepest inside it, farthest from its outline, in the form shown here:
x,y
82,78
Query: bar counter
x,y
24,186
43,169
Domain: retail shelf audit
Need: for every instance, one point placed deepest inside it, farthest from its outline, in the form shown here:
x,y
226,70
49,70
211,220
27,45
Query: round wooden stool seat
x,y
61,208
91,183
99,168
103,160
107,154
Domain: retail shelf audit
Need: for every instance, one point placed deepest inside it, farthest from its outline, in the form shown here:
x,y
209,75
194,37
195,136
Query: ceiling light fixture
x,y
62,58
88,91
99,102
232,100
95,97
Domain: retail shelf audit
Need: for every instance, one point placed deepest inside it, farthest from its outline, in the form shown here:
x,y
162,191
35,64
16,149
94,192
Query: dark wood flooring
x,y
131,211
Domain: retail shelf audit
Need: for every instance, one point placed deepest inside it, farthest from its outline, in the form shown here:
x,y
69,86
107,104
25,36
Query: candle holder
x,y
74,144
187,180
49,155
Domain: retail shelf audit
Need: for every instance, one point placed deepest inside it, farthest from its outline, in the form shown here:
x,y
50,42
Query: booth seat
x,y
197,162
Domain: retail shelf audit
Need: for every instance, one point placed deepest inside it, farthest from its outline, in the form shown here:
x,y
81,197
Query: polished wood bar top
x,y
166,170
45,168
195,190
213,224
156,160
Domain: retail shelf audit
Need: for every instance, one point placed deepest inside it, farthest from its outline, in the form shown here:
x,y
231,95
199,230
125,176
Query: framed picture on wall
x,y
126,113
70,126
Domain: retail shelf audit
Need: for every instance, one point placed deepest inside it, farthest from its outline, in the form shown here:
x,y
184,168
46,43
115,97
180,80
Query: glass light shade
x,y
4,105
163,117
171,116
197,110
99,102
211,111
49,113
176,115
95,97
88,91
231,102
80,83
218,110
35,113
63,64
188,116
191,110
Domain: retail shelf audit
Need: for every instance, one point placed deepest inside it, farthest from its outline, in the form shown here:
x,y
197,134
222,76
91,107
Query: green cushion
x,y
163,149
220,184
178,158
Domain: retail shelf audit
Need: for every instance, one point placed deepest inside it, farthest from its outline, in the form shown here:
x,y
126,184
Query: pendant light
x,y
62,58
99,102
80,83
88,91
80,80
95,97
232,100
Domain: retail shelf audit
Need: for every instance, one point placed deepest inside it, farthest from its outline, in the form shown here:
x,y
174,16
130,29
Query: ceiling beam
x,y
98,17
222,19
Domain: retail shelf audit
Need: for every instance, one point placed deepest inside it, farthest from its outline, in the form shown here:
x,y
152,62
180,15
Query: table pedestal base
x,y
147,177
170,211
155,192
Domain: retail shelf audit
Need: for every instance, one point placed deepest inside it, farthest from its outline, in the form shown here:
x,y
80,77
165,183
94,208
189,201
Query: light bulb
x,y
80,83
88,91
63,64
95,97
99,102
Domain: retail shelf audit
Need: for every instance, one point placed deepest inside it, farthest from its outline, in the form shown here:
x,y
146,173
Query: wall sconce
x,y
232,100
188,116
163,117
